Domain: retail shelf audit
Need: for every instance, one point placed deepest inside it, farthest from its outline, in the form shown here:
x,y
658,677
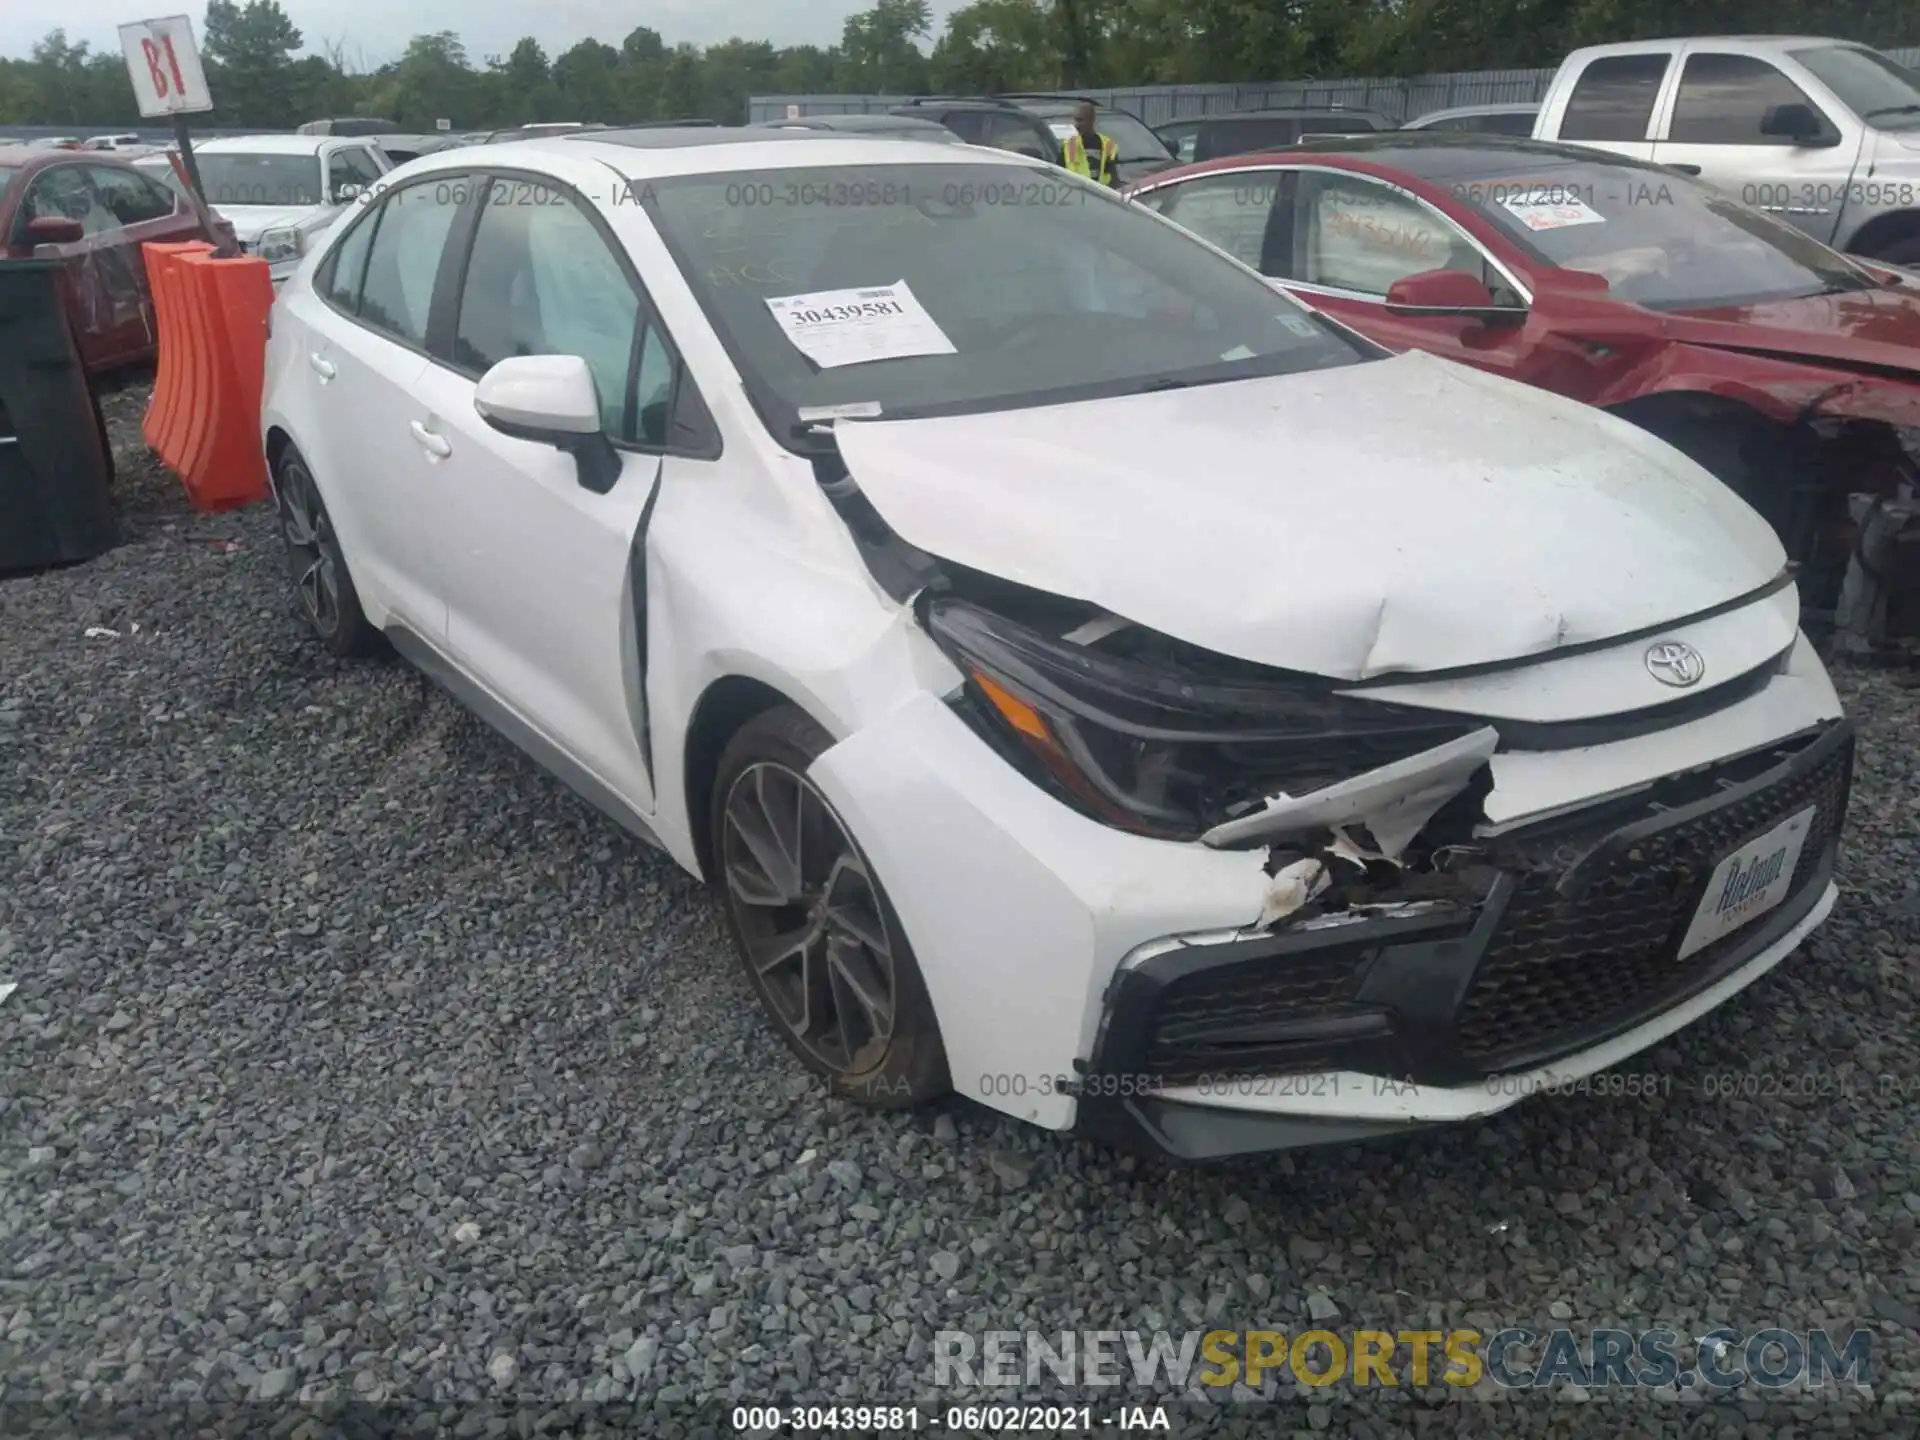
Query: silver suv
x,y
1823,133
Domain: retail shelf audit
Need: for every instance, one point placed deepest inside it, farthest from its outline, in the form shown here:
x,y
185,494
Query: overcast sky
x,y
381,28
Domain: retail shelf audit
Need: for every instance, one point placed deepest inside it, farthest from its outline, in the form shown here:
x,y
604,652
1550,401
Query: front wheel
x,y
821,944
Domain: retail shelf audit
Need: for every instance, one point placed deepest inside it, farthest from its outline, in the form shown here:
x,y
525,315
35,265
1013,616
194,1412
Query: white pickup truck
x,y
1823,133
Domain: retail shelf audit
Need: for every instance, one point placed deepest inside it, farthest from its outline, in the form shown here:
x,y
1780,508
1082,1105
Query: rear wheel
x,y
323,588
812,924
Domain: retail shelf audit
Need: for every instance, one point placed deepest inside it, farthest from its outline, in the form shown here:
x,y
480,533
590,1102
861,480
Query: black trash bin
x,y
56,472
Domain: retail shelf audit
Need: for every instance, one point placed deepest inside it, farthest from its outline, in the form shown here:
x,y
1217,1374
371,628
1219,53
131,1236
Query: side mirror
x,y
551,400
1797,124
55,230
348,192
1443,292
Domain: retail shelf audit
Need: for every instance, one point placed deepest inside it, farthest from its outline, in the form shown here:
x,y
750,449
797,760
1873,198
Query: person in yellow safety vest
x,y
1085,137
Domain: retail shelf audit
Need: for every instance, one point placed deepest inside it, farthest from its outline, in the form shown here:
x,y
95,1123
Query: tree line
x,y
260,76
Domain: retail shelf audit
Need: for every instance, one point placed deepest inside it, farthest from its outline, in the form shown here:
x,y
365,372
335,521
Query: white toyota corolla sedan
x,y
1092,681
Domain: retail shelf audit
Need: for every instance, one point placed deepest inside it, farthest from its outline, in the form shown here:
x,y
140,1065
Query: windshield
x,y
1130,136
239,178
1867,83
966,287
1660,239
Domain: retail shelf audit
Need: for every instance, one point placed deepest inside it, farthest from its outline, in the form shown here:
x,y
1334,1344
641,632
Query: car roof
x,y
275,144
21,156
892,123
1285,112
1735,43
645,154
1432,155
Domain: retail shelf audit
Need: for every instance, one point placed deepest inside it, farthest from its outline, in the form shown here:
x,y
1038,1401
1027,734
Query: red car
x,y
1790,371
94,212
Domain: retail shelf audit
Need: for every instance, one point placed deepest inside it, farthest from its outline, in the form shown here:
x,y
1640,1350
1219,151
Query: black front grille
x,y
1563,972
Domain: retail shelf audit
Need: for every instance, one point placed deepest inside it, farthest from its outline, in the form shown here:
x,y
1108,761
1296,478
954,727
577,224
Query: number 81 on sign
x,y
164,65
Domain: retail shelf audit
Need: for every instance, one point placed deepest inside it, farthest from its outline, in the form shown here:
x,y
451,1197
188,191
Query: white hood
x,y
1400,515
250,222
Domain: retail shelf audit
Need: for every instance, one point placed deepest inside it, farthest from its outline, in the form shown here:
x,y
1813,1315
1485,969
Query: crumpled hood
x,y
250,222
1393,516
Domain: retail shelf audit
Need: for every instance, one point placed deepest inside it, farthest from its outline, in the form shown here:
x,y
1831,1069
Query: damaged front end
x,y
1401,936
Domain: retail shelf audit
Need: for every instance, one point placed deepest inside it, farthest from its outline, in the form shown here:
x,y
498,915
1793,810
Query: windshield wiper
x,y
1911,109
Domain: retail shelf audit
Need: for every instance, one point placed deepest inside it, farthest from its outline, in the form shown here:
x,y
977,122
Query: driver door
x,y
538,589
105,296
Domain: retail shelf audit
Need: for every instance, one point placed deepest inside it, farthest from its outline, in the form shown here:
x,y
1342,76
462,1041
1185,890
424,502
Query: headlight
x,y
274,246
1173,745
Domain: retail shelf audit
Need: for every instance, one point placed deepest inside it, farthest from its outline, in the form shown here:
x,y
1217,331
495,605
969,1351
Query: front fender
x,y
1784,391
732,592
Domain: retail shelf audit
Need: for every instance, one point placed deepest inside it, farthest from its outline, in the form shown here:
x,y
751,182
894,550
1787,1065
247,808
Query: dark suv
x,y
1242,132
994,123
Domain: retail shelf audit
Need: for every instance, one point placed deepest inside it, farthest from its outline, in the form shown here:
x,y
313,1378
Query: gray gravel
x,y
353,1057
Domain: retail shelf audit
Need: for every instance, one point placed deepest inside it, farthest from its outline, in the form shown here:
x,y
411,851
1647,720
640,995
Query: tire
x,y
323,592
1727,451
839,979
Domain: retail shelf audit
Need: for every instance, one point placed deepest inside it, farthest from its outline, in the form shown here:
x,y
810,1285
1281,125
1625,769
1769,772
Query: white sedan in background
x,y
1091,680
280,192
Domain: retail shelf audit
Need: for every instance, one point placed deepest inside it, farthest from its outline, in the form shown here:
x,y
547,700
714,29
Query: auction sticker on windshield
x,y
1536,215
851,327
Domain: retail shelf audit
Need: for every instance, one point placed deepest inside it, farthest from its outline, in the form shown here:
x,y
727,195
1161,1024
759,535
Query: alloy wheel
x,y
810,918
313,552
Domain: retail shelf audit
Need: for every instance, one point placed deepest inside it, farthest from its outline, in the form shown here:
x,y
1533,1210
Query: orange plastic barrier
x,y
204,418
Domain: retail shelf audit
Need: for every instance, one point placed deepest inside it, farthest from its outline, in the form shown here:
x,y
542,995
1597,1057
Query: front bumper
x,y
1566,966
1035,927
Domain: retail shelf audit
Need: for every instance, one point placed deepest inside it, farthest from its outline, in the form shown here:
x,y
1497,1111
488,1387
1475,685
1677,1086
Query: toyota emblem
x,y
1673,663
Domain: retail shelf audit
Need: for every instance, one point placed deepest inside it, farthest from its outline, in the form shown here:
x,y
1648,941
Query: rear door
x,y
363,348
1613,100
1713,129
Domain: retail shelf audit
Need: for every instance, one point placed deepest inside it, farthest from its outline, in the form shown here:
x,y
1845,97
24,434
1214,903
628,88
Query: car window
x,y
62,192
1351,234
1875,88
1613,98
1510,123
969,125
132,198
1240,137
246,178
653,387
351,167
1231,211
405,257
1017,134
1723,98
962,304
341,273
1658,238
542,280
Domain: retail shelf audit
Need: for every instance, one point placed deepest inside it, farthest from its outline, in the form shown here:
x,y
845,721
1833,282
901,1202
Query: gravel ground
x,y
352,1056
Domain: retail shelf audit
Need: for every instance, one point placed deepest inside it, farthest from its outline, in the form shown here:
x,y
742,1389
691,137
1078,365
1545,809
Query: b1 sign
x,y
164,64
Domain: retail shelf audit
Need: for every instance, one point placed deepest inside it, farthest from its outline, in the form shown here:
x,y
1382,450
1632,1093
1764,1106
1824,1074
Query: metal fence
x,y
1403,99
148,135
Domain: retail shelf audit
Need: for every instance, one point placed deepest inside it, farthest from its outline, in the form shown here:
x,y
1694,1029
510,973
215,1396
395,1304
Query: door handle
x,y
435,445
321,367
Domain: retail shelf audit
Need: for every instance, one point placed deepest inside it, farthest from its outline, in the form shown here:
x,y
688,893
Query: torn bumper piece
x,y
1345,1027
